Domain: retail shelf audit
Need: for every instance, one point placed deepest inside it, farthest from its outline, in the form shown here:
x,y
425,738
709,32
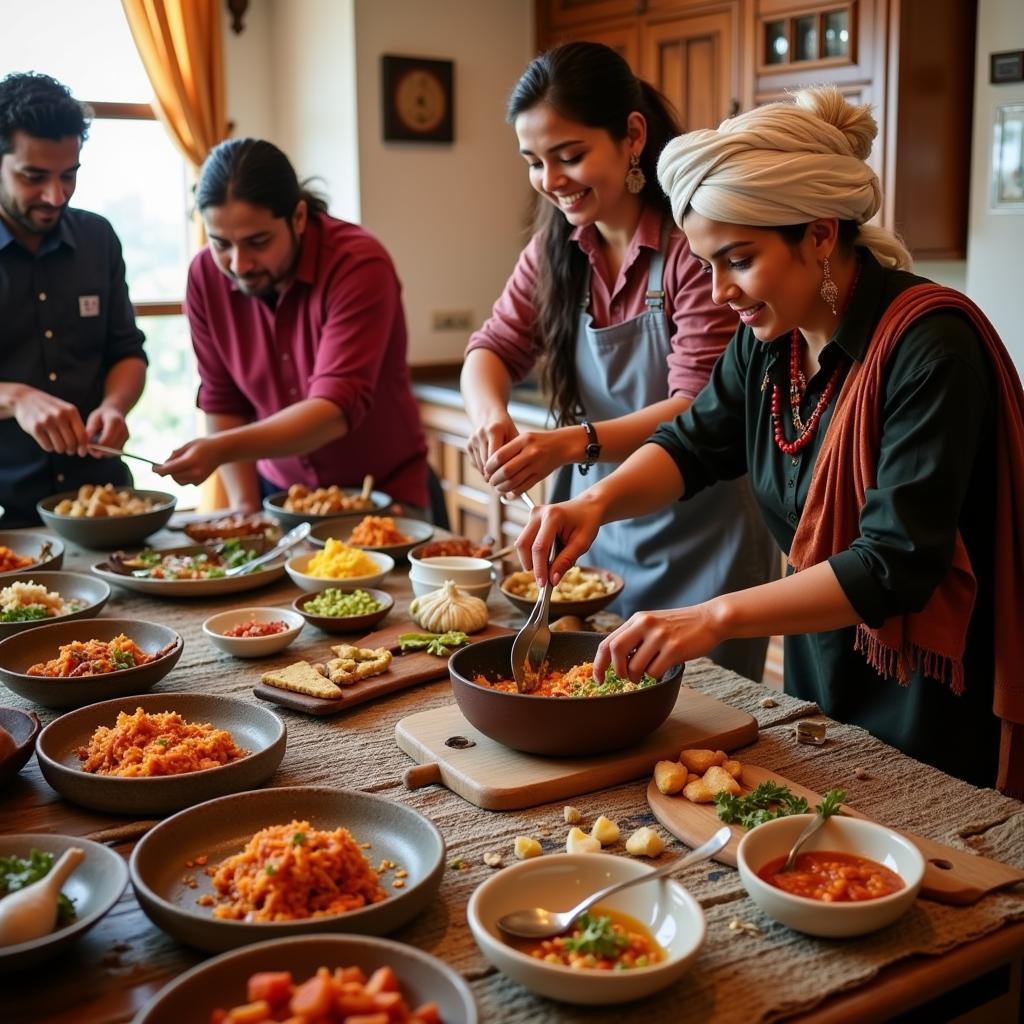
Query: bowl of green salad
x,y
344,609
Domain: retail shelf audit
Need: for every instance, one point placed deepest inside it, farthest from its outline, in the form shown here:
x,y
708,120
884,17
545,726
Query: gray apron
x,y
711,544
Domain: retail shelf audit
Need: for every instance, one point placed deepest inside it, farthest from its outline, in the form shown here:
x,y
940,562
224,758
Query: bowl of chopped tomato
x,y
851,877
391,535
632,944
253,632
24,552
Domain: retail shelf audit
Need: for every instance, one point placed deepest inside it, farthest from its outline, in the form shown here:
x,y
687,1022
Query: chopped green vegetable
x,y
597,937
613,683
458,863
338,604
299,838
434,643
17,872
27,613
121,659
830,803
768,801
270,869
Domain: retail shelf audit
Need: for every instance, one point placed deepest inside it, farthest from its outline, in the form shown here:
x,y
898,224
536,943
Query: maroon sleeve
x,y
700,328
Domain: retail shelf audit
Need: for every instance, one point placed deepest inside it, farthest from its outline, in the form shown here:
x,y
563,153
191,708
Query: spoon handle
x,y
809,829
703,852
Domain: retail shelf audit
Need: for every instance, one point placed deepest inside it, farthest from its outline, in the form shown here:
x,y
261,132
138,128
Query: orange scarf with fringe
x,y
934,638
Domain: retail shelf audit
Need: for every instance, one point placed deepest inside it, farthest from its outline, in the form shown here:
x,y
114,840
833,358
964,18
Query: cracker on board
x,y
301,677
355,663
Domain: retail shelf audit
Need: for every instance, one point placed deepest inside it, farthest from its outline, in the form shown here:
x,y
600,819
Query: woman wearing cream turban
x,y
881,423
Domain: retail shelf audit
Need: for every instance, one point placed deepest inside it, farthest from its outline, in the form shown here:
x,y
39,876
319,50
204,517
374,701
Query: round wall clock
x,y
417,95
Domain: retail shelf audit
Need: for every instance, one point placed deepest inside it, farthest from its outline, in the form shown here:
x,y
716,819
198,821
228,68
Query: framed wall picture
x,y
1008,159
418,99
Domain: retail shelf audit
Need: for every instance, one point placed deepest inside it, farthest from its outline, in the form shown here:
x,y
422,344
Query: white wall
x,y
995,241
248,60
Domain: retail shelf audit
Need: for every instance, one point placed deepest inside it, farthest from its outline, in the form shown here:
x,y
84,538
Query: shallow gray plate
x,y
273,503
23,543
221,983
72,586
95,886
22,650
253,727
341,529
220,828
108,531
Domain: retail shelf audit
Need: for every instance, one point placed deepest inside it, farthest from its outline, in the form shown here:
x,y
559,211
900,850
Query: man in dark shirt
x,y
71,360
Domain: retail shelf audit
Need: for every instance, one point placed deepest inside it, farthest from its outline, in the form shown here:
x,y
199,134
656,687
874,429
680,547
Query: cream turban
x,y
774,165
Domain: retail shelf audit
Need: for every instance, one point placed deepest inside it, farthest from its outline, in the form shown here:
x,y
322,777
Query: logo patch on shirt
x,y
88,305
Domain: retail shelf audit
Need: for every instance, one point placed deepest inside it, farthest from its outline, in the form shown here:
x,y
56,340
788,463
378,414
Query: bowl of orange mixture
x,y
852,876
160,752
98,665
287,861
21,551
227,980
660,914
392,535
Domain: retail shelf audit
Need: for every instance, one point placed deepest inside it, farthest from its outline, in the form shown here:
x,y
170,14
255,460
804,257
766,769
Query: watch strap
x,y
593,450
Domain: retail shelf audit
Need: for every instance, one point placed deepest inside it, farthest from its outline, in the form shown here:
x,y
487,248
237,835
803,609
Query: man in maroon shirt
x,y
299,332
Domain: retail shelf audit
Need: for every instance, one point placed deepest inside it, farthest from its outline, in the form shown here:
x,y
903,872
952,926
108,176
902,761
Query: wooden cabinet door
x,y
692,59
562,14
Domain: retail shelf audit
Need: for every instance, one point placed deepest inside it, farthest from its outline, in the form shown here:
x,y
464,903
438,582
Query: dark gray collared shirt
x,y
65,320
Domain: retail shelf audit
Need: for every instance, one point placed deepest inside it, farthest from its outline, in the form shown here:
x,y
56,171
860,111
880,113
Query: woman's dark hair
x,y
255,172
40,106
591,84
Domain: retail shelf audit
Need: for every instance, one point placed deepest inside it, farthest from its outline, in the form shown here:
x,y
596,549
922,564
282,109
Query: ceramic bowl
x,y
95,886
296,569
48,551
220,983
274,504
220,828
108,531
252,646
415,529
560,881
555,726
464,548
460,569
253,727
21,727
346,623
419,588
92,593
582,608
18,652
843,834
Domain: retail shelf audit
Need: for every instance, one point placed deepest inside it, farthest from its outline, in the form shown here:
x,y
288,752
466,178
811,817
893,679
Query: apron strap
x,y
655,297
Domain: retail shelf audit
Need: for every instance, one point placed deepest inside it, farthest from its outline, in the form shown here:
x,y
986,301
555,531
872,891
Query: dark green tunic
x,y
935,475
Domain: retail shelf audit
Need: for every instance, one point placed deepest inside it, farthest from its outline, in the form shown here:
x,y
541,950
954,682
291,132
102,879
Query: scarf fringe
x,y
900,663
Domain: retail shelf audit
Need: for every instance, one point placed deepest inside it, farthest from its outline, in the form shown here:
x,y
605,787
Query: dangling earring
x,y
635,177
829,289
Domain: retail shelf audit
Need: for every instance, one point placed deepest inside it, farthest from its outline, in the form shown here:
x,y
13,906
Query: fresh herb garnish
x,y
613,683
121,659
597,937
830,803
299,838
27,613
270,869
17,872
439,644
769,801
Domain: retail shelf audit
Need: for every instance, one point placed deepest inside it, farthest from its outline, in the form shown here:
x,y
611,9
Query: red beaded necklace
x,y
797,387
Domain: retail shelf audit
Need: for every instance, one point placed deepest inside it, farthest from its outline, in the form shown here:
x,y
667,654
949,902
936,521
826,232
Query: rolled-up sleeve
x,y
124,339
509,331
909,519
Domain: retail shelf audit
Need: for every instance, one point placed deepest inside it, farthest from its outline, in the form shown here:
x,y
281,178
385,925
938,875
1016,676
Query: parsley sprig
x,y
769,800
597,937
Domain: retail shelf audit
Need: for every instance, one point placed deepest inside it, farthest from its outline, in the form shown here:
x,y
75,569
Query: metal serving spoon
x,y
809,829
538,923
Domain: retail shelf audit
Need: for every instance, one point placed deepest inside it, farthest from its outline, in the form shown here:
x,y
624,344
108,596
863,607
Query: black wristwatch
x,y
593,452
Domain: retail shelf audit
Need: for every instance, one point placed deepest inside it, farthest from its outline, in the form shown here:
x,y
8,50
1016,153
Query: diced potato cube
x,y
605,831
527,847
699,792
717,779
572,815
698,760
669,776
577,841
734,768
645,842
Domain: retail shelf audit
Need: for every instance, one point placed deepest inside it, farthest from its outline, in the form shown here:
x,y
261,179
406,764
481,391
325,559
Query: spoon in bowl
x,y
538,923
808,830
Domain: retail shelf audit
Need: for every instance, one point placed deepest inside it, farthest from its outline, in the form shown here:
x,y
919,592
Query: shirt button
x,y
792,517
284,358
47,334
791,484
292,391
42,296
53,376
60,478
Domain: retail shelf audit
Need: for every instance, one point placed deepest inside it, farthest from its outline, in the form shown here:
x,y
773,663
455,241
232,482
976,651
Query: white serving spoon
x,y
31,913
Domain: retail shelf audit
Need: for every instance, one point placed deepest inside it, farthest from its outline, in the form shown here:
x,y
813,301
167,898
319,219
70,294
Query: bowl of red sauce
x,y
253,632
851,877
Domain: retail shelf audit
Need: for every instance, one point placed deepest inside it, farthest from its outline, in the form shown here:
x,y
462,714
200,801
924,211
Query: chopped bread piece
x,y
699,792
692,777
577,841
645,842
571,814
355,663
669,776
301,677
527,847
699,761
717,779
734,768
605,831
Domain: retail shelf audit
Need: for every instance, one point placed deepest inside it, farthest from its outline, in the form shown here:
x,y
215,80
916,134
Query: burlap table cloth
x,y
738,977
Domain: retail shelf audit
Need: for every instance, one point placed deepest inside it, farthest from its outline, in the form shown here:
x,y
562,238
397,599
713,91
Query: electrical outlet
x,y
452,319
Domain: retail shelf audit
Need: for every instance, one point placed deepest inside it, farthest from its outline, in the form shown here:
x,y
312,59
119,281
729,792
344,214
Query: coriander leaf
x,y
597,937
830,803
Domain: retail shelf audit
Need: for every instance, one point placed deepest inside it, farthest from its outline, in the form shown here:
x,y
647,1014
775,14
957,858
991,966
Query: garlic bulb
x,y
449,608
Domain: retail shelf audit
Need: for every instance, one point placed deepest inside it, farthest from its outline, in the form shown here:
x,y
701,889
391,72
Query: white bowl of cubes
x,y
344,609
253,632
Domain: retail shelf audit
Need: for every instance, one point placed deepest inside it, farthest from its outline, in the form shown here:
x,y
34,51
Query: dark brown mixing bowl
x,y
556,726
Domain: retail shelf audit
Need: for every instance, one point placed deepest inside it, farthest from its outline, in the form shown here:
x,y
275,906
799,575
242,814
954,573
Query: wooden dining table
x,y
941,960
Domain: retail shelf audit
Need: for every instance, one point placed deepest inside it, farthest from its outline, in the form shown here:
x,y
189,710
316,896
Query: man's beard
x,y
261,291
24,219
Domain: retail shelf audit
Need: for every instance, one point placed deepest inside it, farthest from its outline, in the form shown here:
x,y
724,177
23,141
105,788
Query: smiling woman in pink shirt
x,y
300,337
607,297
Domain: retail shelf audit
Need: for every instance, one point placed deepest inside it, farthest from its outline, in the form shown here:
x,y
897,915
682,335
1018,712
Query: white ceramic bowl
x,y
252,646
558,882
460,569
421,587
841,834
296,569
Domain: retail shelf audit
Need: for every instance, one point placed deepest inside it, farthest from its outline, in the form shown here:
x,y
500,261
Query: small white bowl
x,y
558,882
252,646
421,586
460,569
839,834
296,569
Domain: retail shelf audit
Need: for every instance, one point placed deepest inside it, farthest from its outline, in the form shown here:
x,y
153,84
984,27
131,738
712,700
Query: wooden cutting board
x,y
498,778
406,670
950,875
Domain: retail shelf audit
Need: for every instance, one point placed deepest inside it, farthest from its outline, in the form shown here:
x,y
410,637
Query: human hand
x,y
106,426
527,459
653,642
489,437
574,523
192,463
55,424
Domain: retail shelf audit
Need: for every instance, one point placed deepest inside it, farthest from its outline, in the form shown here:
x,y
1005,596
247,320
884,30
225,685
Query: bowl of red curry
x,y
253,632
851,877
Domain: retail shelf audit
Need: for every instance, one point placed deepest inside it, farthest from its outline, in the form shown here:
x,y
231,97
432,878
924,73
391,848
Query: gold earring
x,y
829,289
635,177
